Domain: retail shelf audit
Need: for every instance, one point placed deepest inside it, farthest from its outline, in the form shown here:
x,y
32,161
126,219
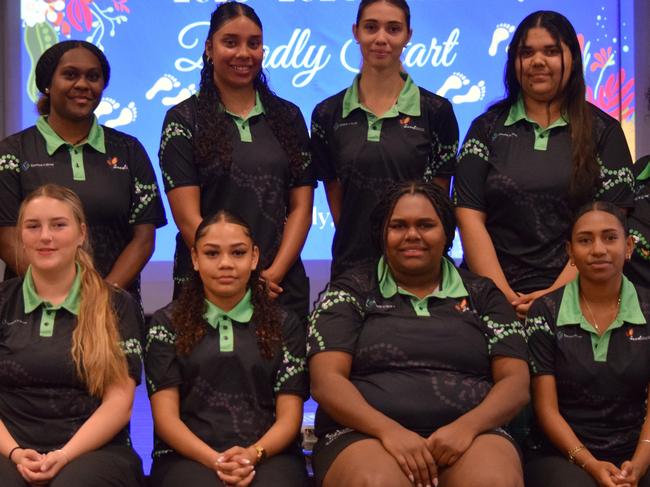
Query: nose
x,y
225,261
46,233
412,233
537,59
381,36
598,247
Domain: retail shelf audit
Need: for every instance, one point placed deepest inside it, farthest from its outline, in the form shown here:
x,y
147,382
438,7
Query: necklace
x,y
593,316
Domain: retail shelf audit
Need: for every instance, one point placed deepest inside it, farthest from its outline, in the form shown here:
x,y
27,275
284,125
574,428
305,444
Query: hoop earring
x,y
209,60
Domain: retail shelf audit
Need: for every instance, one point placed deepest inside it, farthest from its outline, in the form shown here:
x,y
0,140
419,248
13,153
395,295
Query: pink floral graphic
x,y
79,14
120,6
603,58
616,96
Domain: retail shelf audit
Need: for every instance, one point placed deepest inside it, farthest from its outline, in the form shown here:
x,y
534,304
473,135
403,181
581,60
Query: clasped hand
x,y
39,469
236,466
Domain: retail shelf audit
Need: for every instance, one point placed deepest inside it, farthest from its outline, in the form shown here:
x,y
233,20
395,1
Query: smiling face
x,y
50,234
236,51
599,246
542,67
415,238
224,256
382,34
77,86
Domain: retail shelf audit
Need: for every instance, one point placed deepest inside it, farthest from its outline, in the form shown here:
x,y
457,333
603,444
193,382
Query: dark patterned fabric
x,y
525,192
603,401
422,371
410,148
638,269
226,398
256,187
42,401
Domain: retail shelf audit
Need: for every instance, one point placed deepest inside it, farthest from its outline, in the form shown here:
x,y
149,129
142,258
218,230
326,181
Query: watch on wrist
x,y
261,452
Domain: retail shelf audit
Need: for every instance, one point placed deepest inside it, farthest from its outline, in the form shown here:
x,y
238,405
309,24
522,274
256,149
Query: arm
x,y
444,183
506,397
523,302
9,250
633,470
186,210
134,256
334,193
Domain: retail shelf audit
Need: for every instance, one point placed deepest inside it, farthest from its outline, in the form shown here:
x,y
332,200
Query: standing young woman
x,y
380,130
237,146
590,356
638,267
109,170
71,357
226,372
531,159
415,365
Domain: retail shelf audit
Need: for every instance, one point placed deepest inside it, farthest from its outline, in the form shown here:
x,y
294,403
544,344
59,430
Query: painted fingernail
x,y
435,482
220,459
420,485
411,478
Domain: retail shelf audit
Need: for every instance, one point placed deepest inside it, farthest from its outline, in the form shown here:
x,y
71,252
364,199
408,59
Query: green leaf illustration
x,y
38,39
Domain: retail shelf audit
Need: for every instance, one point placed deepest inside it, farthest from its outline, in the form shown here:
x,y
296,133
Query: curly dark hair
x,y
435,194
212,143
187,314
585,173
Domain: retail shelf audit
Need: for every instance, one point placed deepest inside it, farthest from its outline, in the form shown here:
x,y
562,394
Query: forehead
x,y
45,207
383,10
240,26
414,206
597,221
225,233
79,57
538,36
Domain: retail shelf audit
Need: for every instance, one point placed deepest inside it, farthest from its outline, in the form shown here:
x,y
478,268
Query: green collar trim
x,y
645,174
451,285
518,112
53,141
408,101
241,313
32,300
257,109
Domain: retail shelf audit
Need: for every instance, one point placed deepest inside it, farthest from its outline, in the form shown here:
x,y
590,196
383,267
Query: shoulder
x,y
547,305
601,120
10,291
184,112
434,102
359,281
643,293
118,138
330,106
491,117
123,302
14,142
163,316
474,283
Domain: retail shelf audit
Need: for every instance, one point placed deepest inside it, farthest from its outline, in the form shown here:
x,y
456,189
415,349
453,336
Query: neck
x,y
226,303
543,112
420,285
71,131
54,285
382,84
601,293
239,101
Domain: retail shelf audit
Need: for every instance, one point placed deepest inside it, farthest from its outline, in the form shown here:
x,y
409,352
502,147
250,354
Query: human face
x,y
382,34
224,257
77,86
50,235
236,51
415,238
599,246
538,66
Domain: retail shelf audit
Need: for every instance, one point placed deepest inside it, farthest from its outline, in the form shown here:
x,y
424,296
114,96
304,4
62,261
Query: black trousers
x,y
110,466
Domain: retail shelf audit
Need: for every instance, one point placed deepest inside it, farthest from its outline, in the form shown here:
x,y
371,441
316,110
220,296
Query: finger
x,y
227,467
431,465
414,469
247,481
228,479
401,461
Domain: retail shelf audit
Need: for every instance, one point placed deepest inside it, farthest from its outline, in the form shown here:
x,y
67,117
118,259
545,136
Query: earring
x,y
47,91
572,264
209,60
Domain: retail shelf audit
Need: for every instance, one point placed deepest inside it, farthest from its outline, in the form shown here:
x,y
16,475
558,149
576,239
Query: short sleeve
x,y
473,167
324,165
292,377
443,134
505,333
146,203
306,175
615,161
131,323
161,362
10,185
336,322
541,338
176,153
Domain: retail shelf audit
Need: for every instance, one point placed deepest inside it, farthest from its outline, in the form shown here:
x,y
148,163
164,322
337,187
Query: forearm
x,y
642,452
286,427
181,439
334,193
568,274
444,183
133,258
7,442
185,203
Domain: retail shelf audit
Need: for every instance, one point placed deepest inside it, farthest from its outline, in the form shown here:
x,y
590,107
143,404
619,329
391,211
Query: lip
x,y
379,53
599,264
45,251
241,68
226,279
412,251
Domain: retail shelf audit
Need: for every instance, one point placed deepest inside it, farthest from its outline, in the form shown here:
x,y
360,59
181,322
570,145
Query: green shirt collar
x,y
451,284
241,313
257,109
408,101
629,310
645,174
32,300
518,112
53,141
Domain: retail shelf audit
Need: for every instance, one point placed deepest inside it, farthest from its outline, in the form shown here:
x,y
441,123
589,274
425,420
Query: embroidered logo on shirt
x,y
115,163
630,335
462,306
338,125
561,334
13,322
405,122
26,165
496,135
371,305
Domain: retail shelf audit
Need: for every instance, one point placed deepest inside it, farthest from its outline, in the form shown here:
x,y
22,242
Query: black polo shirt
x,y
434,352
638,269
416,139
110,172
256,187
42,401
227,390
601,381
518,174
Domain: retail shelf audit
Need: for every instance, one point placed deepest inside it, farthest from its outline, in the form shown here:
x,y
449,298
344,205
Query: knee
x,y
371,477
496,478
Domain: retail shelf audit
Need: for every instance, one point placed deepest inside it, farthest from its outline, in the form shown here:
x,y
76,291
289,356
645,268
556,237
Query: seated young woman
x,y
416,365
590,357
71,357
226,372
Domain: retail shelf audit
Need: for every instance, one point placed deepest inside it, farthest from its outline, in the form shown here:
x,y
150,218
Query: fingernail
x,y
220,459
247,461
411,478
420,485
435,482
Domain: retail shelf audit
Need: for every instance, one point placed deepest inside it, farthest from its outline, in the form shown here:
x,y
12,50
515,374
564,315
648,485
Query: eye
x,y
525,52
239,252
254,43
32,226
552,51
370,26
211,253
60,225
229,42
394,28
69,74
93,76
395,226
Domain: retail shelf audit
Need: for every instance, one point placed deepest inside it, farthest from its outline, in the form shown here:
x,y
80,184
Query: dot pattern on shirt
x,y
145,194
476,148
131,346
9,162
611,178
292,366
502,330
641,245
331,298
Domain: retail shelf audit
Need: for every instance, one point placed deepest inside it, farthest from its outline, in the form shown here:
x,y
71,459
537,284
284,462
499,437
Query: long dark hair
x,y
400,4
585,172
435,194
187,314
212,143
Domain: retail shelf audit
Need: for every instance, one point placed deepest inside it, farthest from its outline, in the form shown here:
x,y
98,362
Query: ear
x,y
408,39
354,32
256,257
569,252
195,259
83,230
208,47
629,247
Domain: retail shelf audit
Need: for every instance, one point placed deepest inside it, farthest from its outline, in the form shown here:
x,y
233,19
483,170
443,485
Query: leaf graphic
x,y
38,39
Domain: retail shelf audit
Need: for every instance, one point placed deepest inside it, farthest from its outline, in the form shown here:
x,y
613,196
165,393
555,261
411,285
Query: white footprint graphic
x,y
127,115
183,94
474,94
501,33
166,82
455,82
106,107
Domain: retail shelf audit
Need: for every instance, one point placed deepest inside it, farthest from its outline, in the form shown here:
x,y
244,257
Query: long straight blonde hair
x,y
96,352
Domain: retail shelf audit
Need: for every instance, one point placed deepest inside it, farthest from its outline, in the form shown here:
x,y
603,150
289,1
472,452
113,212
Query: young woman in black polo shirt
x,y
109,170
637,269
533,158
226,372
71,357
415,364
380,130
590,356
237,146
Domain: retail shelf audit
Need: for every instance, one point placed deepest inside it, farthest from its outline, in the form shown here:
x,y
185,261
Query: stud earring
x,y
47,91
